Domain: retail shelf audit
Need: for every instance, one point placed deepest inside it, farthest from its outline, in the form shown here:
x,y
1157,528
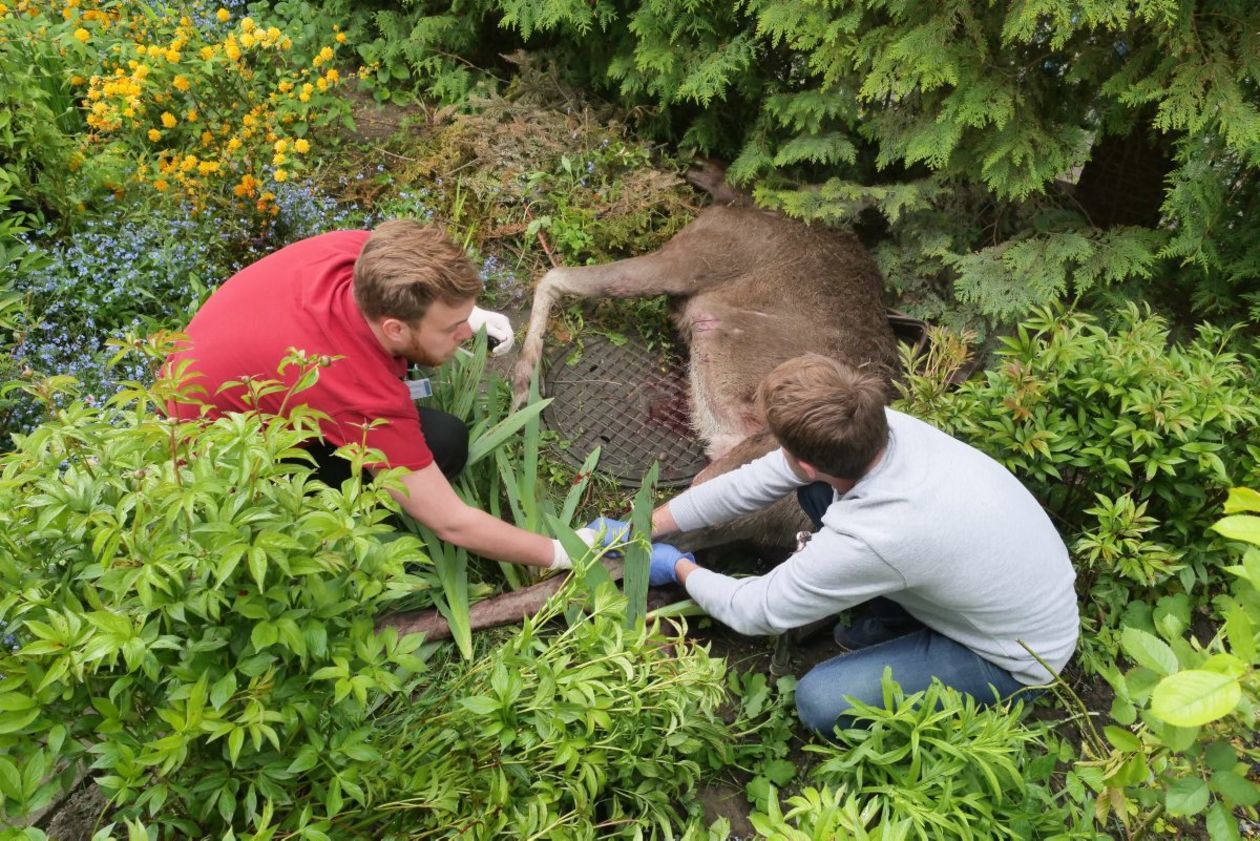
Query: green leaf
x,y
1122,739
1148,650
780,771
1242,499
10,780
1221,824
480,704
14,701
1195,697
1235,788
1242,527
1186,797
15,721
306,759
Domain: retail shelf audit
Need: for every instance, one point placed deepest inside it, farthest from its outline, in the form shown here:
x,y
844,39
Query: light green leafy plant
x,y
191,617
946,767
1182,742
594,731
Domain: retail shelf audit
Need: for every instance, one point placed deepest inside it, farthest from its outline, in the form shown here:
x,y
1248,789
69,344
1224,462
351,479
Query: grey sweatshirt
x,y
936,526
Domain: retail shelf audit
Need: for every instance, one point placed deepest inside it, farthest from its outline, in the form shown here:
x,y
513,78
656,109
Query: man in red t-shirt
x,y
379,300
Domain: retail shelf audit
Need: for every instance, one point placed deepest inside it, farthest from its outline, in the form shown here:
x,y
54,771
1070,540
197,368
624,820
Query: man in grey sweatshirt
x,y
963,565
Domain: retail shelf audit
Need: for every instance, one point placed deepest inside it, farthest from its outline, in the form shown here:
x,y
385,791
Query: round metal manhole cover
x,y
628,401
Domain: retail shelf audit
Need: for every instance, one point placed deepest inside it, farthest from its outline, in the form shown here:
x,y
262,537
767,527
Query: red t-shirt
x,y
302,296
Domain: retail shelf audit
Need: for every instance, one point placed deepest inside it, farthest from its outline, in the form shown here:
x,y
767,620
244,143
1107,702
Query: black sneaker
x,y
866,632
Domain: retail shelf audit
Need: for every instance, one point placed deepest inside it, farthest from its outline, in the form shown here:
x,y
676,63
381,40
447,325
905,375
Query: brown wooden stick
x,y
500,610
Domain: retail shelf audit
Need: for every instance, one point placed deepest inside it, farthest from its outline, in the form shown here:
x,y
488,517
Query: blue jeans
x,y
916,656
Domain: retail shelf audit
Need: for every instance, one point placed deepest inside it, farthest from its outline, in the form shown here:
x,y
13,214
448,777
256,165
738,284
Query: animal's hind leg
x,y
776,525
659,273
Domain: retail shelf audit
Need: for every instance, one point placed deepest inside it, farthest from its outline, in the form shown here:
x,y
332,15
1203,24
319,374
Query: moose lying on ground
x,y
751,288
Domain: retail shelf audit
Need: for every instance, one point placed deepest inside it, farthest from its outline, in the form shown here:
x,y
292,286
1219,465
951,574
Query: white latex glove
x,y
497,327
560,558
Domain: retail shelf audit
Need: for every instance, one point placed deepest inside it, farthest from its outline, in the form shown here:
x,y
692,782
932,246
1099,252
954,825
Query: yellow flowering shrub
x,y
197,103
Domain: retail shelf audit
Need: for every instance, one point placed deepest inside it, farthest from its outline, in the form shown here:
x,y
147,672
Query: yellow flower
x,y
161,185
208,167
173,56
155,135
191,116
206,138
207,53
285,86
273,33
321,83
247,40
233,51
332,75
247,24
281,145
141,49
304,97
223,15
341,37
281,175
82,34
181,83
76,79
142,71
234,144
278,159
188,163
326,53
301,146
169,120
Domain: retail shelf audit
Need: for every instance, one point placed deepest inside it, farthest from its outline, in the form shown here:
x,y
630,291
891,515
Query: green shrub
x,y
1129,438
179,97
1182,745
595,731
192,619
943,767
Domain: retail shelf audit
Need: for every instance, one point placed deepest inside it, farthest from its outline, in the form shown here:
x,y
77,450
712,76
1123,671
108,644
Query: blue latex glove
x,y
664,558
613,531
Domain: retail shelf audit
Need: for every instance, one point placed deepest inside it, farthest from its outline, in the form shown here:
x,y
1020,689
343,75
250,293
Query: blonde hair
x,y
405,266
826,413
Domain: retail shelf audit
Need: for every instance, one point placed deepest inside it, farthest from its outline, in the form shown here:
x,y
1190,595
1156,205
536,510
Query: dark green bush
x,y
1018,152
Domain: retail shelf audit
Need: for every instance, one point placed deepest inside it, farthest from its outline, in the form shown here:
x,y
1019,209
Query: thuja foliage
x,y
191,617
955,121
1129,438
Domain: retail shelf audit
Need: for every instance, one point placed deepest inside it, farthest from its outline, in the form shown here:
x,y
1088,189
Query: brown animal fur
x,y
753,288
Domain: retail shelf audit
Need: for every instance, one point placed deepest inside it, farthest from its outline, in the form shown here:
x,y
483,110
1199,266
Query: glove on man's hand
x,y
497,327
559,558
664,559
612,531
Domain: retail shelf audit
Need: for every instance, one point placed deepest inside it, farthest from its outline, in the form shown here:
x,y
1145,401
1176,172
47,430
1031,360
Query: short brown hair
x,y
405,266
826,413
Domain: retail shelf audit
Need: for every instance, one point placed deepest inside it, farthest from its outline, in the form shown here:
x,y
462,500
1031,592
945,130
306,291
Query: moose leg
x,y
665,272
776,525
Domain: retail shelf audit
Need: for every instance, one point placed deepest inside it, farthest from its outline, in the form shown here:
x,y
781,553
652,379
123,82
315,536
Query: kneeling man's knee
x,y
822,695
